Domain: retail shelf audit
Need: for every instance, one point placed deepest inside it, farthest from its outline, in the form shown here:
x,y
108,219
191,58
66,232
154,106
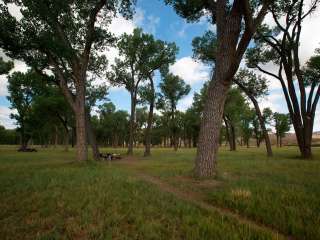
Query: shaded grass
x,y
46,195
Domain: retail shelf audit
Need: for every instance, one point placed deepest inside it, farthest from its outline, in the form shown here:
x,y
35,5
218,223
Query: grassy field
x,y
46,195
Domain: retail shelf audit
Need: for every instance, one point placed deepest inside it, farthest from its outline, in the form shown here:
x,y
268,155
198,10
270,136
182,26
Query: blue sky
x,y
153,16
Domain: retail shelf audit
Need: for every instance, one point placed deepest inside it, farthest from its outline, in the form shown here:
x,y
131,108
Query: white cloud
x,y
190,70
275,102
5,117
120,25
185,102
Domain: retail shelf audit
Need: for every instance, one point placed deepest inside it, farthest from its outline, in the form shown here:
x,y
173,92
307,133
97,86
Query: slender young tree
x,y
158,56
282,124
255,87
62,37
281,45
173,88
236,23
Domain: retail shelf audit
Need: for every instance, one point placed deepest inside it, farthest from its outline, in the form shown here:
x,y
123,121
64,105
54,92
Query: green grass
x,y
46,195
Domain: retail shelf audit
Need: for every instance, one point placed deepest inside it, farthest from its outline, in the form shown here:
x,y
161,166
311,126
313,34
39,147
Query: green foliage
x,y
22,88
247,119
173,88
192,10
253,84
205,47
282,123
5,67
140,56
312,70
60,27
111,125
8,136
235,105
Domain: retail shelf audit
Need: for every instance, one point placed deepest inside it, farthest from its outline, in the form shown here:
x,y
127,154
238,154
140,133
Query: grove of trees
x,y
65,44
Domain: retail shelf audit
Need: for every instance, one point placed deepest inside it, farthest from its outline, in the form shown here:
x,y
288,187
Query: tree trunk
x,y
263,127
55,136
260,118
66,141
81,128
231,45
132,121
208,142
233,137
227,63
92,138
147,151
72,137
228,139
23,137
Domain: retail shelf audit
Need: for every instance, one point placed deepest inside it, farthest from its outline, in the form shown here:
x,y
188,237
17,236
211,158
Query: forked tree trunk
x,y
233,137
132,122
231,46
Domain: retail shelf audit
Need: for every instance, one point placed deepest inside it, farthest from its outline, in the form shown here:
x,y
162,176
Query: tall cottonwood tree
x,y
141,55
62,36
236,23
158,56
173,89
282,124
253,86
281,46
22,88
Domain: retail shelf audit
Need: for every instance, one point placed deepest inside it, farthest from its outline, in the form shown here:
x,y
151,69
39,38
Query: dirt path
x,y
197,200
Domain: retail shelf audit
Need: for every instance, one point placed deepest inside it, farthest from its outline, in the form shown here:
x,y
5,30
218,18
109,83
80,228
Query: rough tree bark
x,y
231,45
81,127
